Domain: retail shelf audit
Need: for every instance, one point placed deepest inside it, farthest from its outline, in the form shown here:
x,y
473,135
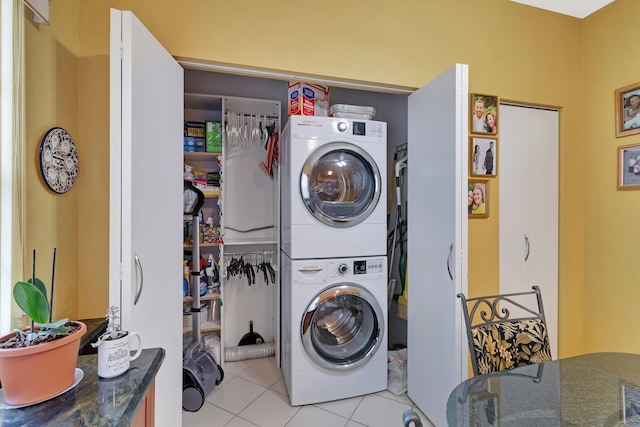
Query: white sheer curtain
x,y
11,159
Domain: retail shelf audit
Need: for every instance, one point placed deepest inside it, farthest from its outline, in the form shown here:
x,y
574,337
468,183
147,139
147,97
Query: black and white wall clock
x,y
58,160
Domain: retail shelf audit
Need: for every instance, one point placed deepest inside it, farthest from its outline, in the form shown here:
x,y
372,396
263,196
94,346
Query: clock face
x,y
58,160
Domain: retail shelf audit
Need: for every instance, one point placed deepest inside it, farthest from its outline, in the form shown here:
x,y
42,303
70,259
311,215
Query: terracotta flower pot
x,y
36,373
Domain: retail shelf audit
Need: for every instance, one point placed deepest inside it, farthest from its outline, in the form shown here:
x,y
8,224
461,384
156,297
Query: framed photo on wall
x,y
483,156
627,101
483,117
629,167
478,198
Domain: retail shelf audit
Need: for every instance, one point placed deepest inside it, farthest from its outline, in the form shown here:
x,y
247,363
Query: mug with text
x,y
114,356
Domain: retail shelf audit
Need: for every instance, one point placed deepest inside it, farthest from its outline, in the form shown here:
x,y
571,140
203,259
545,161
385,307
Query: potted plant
x,y
38,362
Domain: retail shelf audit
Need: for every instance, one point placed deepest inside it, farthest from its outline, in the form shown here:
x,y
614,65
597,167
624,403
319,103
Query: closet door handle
x,y
136,259
449,261
528,246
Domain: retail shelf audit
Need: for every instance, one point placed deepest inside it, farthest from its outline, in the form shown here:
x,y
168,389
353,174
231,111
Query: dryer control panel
x,y
363,128
368,128
320,128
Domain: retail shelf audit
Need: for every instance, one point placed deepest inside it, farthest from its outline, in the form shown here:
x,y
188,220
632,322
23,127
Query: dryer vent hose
x,y
251,351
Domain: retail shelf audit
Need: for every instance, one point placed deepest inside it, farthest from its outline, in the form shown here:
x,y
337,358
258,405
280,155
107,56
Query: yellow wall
x,y
611,230
51,99
513,51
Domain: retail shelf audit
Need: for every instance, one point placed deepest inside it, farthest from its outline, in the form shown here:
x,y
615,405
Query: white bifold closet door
x,y
528,147
437,242
145,203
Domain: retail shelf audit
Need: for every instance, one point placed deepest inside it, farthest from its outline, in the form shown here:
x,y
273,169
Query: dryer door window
x,y
340,184
342,327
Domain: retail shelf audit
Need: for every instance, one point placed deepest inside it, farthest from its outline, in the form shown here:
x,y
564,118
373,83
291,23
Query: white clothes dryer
x,y
334,328
333,175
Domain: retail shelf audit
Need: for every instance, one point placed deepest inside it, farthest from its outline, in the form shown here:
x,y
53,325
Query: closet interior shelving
x,y
246,209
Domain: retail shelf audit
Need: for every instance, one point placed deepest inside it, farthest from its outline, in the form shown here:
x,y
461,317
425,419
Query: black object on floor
x,y
251,337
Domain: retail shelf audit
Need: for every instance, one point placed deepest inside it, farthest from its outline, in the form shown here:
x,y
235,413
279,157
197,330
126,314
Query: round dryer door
x,y
340,184
342,328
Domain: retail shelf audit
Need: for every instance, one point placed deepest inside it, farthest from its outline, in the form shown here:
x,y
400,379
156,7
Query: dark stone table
x,y
598,389
94,402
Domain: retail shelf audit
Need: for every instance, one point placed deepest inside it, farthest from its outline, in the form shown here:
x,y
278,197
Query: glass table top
x,y
599,389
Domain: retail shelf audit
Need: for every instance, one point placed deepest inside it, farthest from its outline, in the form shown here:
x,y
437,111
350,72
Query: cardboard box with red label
x,y
306,99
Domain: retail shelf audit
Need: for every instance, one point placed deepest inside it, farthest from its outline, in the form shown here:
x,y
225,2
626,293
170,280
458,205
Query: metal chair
x,y
506,331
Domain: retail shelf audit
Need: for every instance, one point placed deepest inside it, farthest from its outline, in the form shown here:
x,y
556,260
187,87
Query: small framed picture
x,y
483,114
630,398
627,101
478,193
483,156
629,167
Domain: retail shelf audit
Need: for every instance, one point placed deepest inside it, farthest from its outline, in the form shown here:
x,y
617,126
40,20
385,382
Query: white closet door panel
x,y
149,195
529,206
437,242
543,213
514,217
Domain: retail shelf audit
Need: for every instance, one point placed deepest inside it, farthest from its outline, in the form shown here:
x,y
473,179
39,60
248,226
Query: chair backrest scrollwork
x,y
506,331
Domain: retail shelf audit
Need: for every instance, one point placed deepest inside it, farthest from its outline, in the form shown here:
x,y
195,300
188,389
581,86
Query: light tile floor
x,y
253,394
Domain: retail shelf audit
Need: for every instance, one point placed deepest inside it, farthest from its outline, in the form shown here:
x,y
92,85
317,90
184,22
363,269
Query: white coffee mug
x,y
114,356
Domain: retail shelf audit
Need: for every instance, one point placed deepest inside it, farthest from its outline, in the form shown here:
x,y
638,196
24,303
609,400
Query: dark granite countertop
x,y
95,401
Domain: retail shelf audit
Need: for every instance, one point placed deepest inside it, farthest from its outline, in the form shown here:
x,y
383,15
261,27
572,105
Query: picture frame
x,y
479,162
629,167
478,198
483,110
630,400
627,102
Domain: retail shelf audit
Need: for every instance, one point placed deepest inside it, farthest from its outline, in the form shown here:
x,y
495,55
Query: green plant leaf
x,y
57,327
40,285
54,325
32,301
64,330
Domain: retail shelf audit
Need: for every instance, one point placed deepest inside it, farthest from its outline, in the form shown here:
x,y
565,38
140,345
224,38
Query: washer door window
x,y
340,184
342,327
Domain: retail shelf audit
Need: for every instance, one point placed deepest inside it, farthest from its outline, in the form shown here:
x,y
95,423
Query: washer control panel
x,y
359,267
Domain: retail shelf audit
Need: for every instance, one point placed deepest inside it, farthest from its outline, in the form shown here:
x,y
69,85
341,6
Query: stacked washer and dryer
x,y
334,268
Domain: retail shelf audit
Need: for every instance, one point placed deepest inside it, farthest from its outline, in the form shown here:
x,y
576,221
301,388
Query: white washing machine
x,y
334,179
334,328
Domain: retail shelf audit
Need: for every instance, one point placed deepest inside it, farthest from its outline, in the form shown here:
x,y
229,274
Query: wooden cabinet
x,y
145,417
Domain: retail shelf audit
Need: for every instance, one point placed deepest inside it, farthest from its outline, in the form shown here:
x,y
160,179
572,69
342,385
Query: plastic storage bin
x,y
352,111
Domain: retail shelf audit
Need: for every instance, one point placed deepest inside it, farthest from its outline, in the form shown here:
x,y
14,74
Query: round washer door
x,y
340,184
342,328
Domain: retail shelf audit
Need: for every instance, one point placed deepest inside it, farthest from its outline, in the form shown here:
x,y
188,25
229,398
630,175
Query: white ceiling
x,y
578,8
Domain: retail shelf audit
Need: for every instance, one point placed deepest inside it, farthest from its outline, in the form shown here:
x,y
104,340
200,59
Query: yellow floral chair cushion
x,y
507,345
